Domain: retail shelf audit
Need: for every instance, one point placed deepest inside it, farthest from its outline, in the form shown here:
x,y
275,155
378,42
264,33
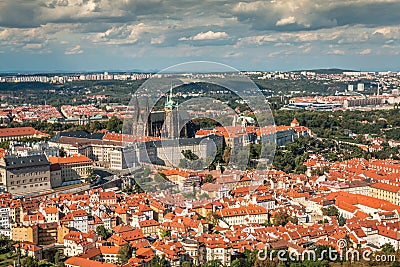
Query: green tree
x,y
62,152
281,218
114,124
30,262
188,154
204,196
212,218
330,211
341,220
213,263
125,253
226,156
387,248
255,151
165,233
57,257
136,189
162,181
50,255
91,177
103,232
6,244
156,261
208,179
146,172
187,264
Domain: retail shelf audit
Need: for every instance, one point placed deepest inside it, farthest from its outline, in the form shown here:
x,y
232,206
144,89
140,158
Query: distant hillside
x,y
327,71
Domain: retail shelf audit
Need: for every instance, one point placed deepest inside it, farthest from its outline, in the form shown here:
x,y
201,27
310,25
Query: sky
x,y
94,35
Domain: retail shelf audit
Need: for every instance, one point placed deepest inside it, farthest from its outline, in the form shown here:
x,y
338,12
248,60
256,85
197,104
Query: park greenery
x,y
339,124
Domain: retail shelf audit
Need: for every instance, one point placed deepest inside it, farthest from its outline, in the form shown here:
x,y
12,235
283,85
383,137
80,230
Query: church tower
x,y
138,125
171,122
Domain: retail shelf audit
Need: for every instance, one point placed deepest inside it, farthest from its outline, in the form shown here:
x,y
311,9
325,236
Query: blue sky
x,y
86,35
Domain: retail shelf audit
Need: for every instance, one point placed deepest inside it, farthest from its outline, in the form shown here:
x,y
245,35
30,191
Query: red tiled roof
x,y
148,223
20,131
81,262
109,249
386,187
73,159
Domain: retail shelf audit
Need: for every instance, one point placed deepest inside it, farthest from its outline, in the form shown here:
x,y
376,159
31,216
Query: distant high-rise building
x,y
360,87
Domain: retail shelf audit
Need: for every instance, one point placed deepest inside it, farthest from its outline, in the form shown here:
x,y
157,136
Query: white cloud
x,y
388,32
157,40
154,27
74,50
210,35
125,34
294,15
33,46
365,51
307,50
33,39
257,40
336,52
286,21
233,54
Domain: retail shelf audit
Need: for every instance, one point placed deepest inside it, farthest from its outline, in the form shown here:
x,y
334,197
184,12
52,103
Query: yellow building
x,y
26,233
75,167
388,192
62,231
149,227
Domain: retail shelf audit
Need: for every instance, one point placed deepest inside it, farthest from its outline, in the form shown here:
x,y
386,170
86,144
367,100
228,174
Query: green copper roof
x,y
170,103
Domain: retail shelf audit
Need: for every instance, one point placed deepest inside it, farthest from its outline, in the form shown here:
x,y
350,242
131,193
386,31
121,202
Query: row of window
x,y
27,174
36,185
30,180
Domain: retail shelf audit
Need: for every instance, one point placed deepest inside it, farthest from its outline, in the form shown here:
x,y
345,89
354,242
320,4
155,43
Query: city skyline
x,y
77,35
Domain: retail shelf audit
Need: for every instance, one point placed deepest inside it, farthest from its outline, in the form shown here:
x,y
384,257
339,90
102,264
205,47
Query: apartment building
x,y
4,216
51,214
76,243
47,233
77,220
218,249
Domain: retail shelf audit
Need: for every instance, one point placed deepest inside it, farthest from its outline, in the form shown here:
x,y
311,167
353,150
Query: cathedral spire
x,y
170,103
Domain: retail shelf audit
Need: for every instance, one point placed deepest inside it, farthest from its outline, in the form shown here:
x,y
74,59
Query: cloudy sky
x,y
85,35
